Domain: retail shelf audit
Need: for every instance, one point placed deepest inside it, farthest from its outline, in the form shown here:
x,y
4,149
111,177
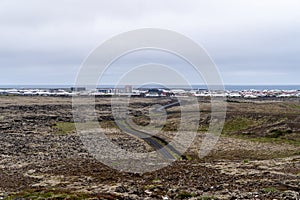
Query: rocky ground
x,y
42,157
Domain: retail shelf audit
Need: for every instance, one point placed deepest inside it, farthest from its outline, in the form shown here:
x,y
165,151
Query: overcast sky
x,y
251,41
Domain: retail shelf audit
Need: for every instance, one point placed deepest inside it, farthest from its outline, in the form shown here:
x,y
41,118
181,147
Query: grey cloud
x,y
239,35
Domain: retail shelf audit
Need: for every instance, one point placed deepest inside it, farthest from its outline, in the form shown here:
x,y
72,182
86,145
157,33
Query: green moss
x,y
48,195
203,128
108,124
69,127
278,140
170,126
188,157
152,187
246,161
157,180
115,163
294,106
270,189
238,124
64,127
208,198
186,195
141,120
276,133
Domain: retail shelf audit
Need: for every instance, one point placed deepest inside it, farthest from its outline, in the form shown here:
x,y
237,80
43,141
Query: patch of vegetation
x,y
141,120
246,161
186,157
294,106
279,136
115,163
238,124
64,127
276,133
157,180
203,128
68,127
108,124
186,195
50,195
152,187
270,189
279,140
208,198
171,126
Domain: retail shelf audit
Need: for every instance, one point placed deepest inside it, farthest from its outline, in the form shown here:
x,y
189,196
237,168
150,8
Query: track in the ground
x,y
159,144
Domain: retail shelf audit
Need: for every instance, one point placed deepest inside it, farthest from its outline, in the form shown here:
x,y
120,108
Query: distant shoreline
x,y
227,87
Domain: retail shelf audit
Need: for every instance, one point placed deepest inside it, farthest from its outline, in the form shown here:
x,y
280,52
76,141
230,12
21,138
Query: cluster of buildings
x,y
250,94
151,92
36,92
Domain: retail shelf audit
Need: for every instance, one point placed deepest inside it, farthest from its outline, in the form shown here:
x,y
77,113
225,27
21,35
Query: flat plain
x,y
256,157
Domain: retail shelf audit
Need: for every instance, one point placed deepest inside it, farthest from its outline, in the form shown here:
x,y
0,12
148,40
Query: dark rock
x,y
121,189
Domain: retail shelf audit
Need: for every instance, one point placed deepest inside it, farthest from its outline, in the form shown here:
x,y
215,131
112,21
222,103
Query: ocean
x,y
227,87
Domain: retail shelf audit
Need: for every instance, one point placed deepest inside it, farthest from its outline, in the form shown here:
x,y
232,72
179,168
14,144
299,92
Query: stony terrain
x,y
41,155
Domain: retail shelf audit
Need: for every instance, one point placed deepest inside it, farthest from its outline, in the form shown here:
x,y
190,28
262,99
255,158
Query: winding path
x,y
159,144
